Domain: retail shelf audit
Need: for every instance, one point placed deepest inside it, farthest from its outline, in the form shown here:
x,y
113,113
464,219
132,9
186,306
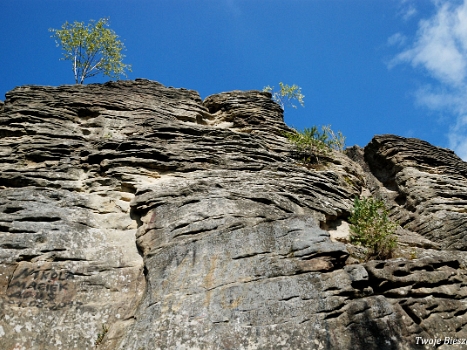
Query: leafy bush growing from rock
x,y
286,95
311,144
372,228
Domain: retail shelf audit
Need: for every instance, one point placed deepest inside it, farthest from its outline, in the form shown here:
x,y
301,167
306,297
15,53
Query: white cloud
x,y
397,39
443,98
440,45
407,9
408,12
440,49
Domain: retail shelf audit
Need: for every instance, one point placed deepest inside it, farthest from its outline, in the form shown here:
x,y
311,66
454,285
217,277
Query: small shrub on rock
x,y
372,228
311,144
286,95
101,335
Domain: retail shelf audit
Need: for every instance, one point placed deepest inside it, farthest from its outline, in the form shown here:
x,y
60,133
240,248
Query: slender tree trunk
x,y
74,70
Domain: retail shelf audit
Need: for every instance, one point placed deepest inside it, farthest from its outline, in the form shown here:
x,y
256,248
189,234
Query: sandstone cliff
x,y
137,216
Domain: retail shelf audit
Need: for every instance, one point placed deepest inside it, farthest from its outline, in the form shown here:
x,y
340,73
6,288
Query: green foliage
x,y
372,228
286,95
101,335
311,144
92,48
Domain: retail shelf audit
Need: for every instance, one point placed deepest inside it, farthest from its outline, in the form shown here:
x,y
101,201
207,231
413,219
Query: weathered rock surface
x,y
136,216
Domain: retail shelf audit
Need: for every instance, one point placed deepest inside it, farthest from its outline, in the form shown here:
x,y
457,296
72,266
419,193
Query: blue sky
x,y
365,66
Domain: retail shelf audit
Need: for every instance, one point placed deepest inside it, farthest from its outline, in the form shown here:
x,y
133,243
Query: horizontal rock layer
x,y
136,216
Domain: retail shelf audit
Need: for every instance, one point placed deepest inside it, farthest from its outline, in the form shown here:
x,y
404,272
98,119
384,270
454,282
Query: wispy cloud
x,y
408,10
440,49
457,137
397,39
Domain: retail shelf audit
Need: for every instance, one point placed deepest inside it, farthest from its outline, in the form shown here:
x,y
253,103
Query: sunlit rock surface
x,y
137,216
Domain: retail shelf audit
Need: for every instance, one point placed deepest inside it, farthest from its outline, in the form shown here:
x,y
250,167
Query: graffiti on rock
x,y
42,288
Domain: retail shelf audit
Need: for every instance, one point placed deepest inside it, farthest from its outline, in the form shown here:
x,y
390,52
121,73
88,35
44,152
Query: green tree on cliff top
x,y
92,49
286,95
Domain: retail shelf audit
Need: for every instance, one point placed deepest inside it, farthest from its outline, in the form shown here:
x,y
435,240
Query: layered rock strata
x,y
137,216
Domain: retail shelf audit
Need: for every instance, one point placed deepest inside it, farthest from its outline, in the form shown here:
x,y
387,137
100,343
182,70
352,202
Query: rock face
x,y
136,216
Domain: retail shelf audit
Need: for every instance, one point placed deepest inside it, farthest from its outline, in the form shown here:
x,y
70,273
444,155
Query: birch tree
x,y
286,95
92,48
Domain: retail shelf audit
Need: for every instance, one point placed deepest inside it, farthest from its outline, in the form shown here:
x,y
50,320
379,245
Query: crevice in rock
x,y
330,222
10,278
270,202
86,113
62,258
195,232
380,266
53,250
191,201
180,226
401,199
4,228
39,219
127,187
17,181
421,268
249,255
332,315
21,230
361,284
16,246
458,313
27,257
411,313
15,133
455,264
401,273
430,285
363,310
136,216
236,226
380,286
11,210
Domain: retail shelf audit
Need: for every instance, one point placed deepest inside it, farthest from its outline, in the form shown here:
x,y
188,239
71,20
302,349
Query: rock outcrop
x,y
136,216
